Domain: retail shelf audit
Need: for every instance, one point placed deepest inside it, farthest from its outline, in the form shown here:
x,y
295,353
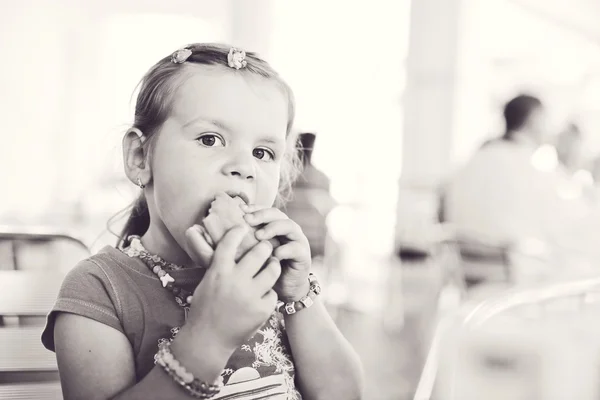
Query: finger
x,y
225,252
264,216
251,208
292,251
270,299
268,276
206,236
275,242
282,227
255,258
199,249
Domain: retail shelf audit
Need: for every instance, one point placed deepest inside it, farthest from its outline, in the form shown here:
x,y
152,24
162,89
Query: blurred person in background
x,y
569,150
311,200
595,170
569,146
509,192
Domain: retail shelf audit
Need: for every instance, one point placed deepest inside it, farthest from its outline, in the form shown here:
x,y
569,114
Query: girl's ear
x,y
135,159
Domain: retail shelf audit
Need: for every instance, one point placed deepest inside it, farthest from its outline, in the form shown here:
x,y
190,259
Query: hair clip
x,y
236,58
181,55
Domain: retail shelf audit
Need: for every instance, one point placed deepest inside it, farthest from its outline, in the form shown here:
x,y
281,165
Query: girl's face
x,y
226,133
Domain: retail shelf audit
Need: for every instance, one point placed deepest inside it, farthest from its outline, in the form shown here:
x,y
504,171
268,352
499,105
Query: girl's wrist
x,y
204,356
305,301
298,293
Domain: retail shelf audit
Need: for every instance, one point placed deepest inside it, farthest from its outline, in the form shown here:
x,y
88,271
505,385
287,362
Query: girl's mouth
x,y
241,195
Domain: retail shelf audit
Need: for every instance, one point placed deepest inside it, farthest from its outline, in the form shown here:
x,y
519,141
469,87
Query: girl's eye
x,y
263,154
210,140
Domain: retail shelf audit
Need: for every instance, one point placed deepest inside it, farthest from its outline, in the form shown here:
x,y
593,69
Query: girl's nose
x,y
240,165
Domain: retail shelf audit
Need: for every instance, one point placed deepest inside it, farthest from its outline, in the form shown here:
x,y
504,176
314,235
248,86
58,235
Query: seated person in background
x,y
504,194
593,179
569,146
569,150
595,172
311,201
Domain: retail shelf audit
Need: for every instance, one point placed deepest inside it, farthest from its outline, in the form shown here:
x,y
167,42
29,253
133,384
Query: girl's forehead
x,y
238,99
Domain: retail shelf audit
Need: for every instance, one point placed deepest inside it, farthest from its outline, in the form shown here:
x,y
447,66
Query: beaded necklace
x,y
160,268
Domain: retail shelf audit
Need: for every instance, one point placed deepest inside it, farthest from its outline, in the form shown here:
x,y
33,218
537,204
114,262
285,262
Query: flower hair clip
x,y
236,58
181,55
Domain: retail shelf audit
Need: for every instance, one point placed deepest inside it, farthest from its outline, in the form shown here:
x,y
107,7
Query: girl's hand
x,y
294,251
233,300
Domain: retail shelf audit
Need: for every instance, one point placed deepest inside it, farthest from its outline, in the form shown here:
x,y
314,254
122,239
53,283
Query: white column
x,y
444,101
430,89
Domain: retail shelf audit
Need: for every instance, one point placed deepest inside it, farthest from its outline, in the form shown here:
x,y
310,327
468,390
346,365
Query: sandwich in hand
x,y
225,212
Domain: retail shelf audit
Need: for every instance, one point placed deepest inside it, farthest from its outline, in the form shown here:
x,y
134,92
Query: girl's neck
x,y
161,242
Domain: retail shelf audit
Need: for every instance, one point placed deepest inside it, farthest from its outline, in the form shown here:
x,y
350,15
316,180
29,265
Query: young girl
x,y
164,316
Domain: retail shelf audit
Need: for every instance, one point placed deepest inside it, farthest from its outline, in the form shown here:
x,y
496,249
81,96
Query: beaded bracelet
x,y
195,387
305,302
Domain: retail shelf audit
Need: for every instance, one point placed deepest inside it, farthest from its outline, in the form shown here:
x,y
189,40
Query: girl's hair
x,y
155,101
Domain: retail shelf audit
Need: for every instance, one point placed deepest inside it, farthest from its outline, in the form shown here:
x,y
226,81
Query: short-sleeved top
x,y
121,292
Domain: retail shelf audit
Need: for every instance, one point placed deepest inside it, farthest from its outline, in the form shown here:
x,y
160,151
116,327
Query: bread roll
x,y
225,213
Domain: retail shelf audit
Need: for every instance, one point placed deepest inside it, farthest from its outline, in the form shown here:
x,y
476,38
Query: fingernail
x,y
244,206
260,233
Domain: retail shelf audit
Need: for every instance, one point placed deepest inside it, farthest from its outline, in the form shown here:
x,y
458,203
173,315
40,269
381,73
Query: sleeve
x,y
87,291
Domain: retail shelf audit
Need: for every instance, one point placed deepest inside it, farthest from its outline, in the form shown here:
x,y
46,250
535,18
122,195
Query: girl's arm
x,y
96,362
326,365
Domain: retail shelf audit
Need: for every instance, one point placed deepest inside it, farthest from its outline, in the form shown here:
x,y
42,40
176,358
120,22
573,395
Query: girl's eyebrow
x,y
214,122
270,140
222,125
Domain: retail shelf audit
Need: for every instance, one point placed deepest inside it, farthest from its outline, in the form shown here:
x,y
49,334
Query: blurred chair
x,y
32,391
26,297
39,248
462,261
483,261
35,260
33,263
579,299
465,268
24,359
